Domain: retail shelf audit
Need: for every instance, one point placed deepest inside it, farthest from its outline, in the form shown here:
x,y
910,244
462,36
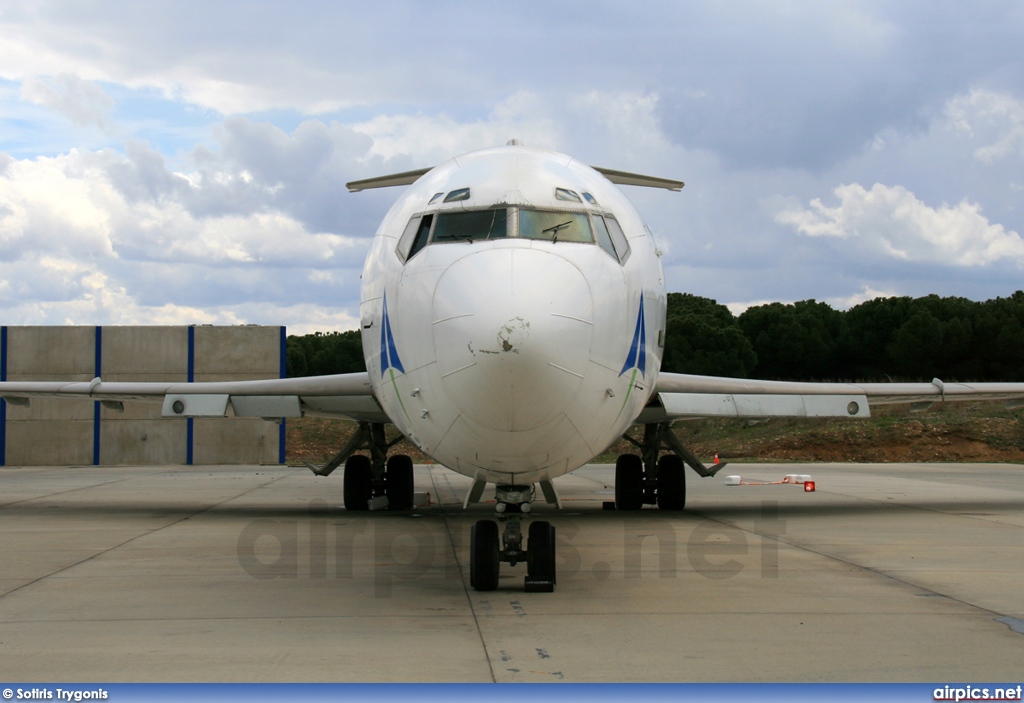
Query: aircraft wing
x,y
343,395
679,396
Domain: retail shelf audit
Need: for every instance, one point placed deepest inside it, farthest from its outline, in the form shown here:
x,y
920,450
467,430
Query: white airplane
x,y
513,321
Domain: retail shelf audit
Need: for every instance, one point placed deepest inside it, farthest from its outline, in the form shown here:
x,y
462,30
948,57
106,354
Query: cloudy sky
x,y
169,162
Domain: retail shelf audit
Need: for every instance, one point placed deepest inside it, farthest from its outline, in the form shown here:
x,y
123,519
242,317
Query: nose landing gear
x,y
486,554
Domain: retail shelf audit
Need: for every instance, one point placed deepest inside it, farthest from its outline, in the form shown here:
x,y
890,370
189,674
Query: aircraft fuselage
x,y
513,314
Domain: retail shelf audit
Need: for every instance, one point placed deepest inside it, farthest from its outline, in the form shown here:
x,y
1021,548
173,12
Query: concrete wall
x,y
68,432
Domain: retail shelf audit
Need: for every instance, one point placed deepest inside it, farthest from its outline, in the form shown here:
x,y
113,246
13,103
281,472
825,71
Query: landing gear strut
x,y
652,478
376,481
486,553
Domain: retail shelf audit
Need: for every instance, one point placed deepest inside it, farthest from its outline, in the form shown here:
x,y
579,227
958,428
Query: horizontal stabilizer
x,y
395,179
618,177
624,178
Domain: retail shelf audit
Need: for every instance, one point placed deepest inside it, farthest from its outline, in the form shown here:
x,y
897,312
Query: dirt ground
x,y
984,440
980,432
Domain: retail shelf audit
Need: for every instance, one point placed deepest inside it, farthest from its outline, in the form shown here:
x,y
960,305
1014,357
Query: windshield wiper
x,y
554,230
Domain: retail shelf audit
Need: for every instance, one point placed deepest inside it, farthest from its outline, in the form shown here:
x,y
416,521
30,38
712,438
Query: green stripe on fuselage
x,y
629,391
398,396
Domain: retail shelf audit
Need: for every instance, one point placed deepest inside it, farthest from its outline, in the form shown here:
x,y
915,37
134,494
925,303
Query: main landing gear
x,y
652,478
373,482
486,551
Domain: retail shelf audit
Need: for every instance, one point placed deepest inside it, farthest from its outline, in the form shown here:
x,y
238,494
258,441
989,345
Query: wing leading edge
x,y
679,396
343,395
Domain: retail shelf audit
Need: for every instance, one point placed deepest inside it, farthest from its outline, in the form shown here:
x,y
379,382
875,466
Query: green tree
x,y
702,337
917,348
797,341
869,330
998,340
328,353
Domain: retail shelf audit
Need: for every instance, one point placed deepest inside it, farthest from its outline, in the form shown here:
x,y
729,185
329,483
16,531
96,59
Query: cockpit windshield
x,y
555,226
470,225
509,222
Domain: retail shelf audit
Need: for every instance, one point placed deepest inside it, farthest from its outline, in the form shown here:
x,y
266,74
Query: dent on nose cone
x,y
512,334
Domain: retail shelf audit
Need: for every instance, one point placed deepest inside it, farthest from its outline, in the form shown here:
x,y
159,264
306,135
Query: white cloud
x,y
838,303
69,206
865,294
431,139
102,301
997,119
81,101
890,222
620,129
307,319
75,248
739,308
760,112
166,232
54,205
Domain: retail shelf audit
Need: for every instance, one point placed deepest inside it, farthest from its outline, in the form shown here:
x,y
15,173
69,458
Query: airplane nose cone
x,y
512,336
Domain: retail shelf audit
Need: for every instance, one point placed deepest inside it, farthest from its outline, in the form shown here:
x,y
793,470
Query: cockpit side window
x,y
422,234
414,237
470,225
604,239
618,238
555,226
